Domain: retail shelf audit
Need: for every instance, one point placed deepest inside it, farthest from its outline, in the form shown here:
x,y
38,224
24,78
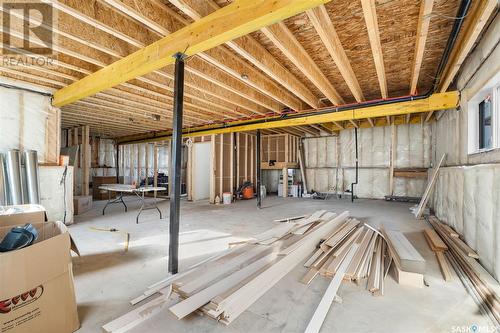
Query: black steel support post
x,y
257,159
117,163
175,174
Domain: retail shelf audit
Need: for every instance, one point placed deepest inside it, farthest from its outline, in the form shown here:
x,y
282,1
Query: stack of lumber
x,y
478,282
409,266
369,260
439,247
225,285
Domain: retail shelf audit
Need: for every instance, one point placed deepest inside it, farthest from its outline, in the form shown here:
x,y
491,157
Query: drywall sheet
x,y
468,199
28,121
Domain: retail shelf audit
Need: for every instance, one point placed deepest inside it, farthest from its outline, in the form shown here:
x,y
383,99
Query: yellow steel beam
x,y
235,20
435,102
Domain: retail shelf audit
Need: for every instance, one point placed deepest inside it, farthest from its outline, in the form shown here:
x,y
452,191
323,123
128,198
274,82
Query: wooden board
x,y
409,258
443,265
435,242
319,315
430,186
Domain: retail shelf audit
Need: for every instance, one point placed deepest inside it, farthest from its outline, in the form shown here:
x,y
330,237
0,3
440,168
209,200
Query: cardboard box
x,y
22,214
37,292
99,194
82,204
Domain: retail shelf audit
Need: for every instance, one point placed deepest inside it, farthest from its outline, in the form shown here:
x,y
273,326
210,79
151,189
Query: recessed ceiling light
x,y
244,76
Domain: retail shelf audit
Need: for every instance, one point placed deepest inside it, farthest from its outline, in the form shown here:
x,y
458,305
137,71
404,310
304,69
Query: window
x,y
484,118
485,124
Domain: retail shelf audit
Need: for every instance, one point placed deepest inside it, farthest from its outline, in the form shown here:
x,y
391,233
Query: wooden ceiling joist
x,y
424,20
370,15
219,57
326,31
251,50
478,16
283,38
232,21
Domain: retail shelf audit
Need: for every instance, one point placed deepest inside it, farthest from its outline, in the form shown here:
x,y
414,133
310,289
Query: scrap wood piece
x,y
301,227
326,301
436,223
191,304
216,272
135,317
342,233
289,219
313,258
310,275
443,265
233,305
355,262
408,257
427,193
435,242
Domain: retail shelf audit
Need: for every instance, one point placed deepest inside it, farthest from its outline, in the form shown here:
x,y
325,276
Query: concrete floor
x,y
106,277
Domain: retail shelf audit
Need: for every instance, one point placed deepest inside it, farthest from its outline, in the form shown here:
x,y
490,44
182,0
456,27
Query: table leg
x,y
142,207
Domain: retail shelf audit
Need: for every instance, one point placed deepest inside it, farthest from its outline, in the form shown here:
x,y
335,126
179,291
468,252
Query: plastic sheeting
x,y
29,122
413,149
468,199
130,155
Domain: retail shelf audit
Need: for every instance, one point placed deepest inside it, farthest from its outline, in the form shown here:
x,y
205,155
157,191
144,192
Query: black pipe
x,y
357,166
257,159
457,25
461,14
175,174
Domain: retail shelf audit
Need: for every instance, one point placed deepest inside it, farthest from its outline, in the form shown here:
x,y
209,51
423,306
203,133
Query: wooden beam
x,y
284,40
326,31
424,19
253,51
440,101
85,160
370,15
355,124
235,20
370,120
477,18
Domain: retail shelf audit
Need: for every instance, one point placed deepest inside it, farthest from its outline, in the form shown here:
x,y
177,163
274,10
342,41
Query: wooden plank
x,y
435,242
321,21
284,40
409,258
324,305
424,20
189,305
443,265
370,15
241,299
430,186
235,20
138,315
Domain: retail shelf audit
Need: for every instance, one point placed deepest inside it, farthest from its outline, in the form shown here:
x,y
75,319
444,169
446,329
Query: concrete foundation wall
x,y
467,193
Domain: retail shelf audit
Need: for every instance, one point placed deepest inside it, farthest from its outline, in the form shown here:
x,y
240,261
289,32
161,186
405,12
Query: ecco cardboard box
x,y
36,284
21,214
82,204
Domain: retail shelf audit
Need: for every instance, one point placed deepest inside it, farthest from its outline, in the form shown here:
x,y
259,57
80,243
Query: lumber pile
x,y
479,283
225,285
439,247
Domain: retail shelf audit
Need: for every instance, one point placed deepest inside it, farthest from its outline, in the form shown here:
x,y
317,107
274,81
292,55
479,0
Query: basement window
x,y
484,118
485,124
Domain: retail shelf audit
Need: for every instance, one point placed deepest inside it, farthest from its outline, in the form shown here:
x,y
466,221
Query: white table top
x,y
130,188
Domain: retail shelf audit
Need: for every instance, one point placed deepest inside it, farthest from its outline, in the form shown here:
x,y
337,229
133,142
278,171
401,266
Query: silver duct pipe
x,y
32,185
3,182
14,180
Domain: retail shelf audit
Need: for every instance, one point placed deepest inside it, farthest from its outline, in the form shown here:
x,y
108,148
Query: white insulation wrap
x,y
468,199
29,122
330,161
133,156
56,193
